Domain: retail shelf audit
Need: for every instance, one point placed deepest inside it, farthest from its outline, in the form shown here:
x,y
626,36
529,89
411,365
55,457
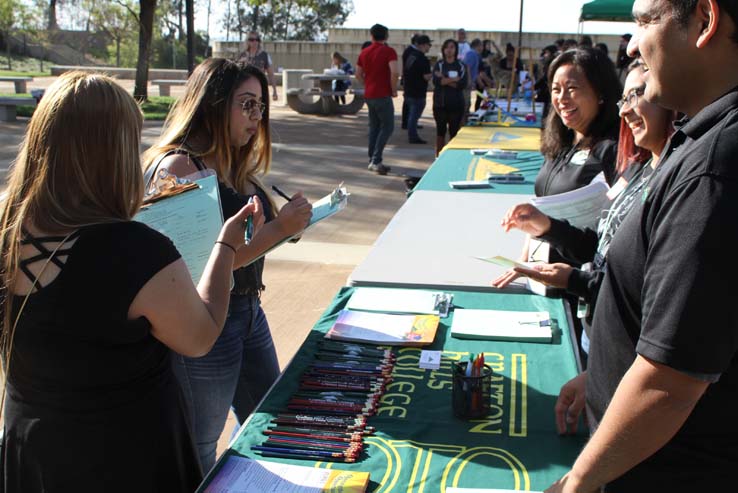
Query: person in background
x,y
485,80
340,63
623,60
569,44
559,46
417,73
507,64
449,80
94,303
221,123
586,42
472,61
603,48
408,49
660,386
254,55
377,69
543,94
464,46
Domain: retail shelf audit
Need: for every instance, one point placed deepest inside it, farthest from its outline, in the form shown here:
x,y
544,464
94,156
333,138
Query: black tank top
x,y
247,280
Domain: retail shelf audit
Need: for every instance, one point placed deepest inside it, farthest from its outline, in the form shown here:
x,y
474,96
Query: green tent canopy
x,y
607,10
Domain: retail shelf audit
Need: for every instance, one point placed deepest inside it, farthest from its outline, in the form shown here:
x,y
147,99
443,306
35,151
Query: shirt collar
x,y
709,115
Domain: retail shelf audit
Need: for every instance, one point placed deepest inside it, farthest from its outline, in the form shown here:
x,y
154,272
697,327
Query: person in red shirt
x,y
377,69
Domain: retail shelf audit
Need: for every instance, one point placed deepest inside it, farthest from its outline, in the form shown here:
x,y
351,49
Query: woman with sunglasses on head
x,y
92,302
221,123
644,131
254,55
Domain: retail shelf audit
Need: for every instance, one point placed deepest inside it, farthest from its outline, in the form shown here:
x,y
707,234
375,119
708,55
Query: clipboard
x,y
188,213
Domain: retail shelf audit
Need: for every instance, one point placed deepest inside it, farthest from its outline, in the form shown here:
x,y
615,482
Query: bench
x,y
165,84
8,107
19,82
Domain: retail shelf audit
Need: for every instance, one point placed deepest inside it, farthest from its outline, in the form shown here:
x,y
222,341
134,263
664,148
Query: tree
x,y
117,20
13,16
145,30
52,23
287,19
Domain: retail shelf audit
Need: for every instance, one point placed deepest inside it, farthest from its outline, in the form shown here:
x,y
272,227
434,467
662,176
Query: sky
x,y
490,15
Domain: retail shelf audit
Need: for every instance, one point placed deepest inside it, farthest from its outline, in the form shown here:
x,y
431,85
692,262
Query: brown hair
x,y
200,121
78,165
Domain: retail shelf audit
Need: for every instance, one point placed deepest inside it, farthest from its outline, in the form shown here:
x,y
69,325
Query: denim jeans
x,y
381,125
237,372
415,110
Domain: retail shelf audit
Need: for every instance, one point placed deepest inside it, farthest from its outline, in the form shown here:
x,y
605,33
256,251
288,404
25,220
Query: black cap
x,y
422,39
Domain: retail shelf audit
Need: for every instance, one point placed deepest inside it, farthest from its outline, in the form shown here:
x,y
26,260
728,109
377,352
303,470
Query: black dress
x,y
92,402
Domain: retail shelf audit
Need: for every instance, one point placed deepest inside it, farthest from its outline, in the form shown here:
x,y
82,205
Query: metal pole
x,y
520,27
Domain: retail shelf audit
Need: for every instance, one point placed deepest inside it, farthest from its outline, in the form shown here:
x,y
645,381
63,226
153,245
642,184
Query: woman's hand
x,y
295,215
556,275
570,404
528,219
233,231
506,279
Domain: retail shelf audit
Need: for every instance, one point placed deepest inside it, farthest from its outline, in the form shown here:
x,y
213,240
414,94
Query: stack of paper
x,y
384,328
501,325
581,207
400,301
244,475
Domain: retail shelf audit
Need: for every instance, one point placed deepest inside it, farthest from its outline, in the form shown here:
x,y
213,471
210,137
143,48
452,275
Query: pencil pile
x,y
326,419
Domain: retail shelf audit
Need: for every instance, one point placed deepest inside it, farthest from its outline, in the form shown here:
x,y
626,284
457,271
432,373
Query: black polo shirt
x,y
415,67
574,168
669,295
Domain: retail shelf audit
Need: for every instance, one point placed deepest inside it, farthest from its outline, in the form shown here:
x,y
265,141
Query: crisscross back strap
x,y
39,243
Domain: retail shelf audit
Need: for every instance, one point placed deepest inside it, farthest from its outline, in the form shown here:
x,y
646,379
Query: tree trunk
x,y
52,24
207,30
117,51
6,35
145,28
190,14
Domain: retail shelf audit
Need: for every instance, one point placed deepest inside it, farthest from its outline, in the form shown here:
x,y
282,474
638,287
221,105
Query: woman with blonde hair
x,y
221,123
256,56
88,313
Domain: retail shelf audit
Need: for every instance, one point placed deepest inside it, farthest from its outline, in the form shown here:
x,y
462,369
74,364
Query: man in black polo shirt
x,y
662,381
416,72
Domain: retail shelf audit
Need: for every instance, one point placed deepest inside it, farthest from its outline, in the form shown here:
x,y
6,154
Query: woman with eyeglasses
x,y
221,123
254,55
644,130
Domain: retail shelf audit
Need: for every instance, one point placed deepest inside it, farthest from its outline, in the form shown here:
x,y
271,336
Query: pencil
x,y
281,193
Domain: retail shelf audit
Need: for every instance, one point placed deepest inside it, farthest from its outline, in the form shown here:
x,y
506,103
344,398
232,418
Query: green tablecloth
x,y
419,446
460,164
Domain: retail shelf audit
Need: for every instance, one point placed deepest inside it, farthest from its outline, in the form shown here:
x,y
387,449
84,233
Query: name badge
x,y
579,158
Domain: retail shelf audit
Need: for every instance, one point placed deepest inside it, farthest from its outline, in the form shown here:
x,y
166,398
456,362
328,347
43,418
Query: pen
x,y
281,193
250,223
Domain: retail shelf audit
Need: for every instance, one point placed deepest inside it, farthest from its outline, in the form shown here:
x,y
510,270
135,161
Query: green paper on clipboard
x,y
191,219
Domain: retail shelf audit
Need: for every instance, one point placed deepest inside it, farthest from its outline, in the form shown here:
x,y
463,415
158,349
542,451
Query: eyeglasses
x,y
254,39
631,99
253,108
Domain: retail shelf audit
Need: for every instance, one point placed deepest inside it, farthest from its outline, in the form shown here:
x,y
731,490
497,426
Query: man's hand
x,y
568,484
570,404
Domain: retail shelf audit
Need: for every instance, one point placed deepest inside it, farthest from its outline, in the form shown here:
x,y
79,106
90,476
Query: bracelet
x,y
226,244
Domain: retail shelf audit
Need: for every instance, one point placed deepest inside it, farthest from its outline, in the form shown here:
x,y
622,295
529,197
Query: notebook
x,y
384,328
500,325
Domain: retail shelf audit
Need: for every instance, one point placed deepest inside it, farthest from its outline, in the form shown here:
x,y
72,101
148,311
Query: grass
x,y
23,67
155,109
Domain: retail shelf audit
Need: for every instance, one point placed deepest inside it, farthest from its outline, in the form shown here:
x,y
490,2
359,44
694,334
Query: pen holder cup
x,y
470,395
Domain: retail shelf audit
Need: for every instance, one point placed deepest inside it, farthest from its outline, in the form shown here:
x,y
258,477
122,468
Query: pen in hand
x,y
281,193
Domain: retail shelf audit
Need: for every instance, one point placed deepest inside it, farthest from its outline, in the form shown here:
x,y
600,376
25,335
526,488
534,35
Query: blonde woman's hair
x,y
78,165
200,121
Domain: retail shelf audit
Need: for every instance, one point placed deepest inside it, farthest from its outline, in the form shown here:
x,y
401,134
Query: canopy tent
x,y
607,10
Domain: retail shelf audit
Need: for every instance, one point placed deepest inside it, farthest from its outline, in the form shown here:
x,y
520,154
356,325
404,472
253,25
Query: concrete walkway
x,y
313,154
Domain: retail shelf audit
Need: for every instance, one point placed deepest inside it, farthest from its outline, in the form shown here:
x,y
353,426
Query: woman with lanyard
x,y
254,55
222,124
644,131
94,303
579,139
449,81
